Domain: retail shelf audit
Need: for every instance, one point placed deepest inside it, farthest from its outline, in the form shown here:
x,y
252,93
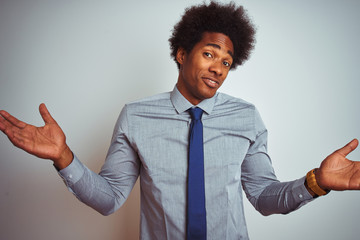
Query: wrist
x,y
65,159
312,186
314,195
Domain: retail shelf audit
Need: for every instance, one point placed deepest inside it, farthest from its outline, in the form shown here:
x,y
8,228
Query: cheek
x,y
225,73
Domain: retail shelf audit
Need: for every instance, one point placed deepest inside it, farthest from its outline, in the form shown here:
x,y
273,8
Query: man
x,y
151,139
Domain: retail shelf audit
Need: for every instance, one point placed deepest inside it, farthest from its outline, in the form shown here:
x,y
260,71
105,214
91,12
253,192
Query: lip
x,y
211,82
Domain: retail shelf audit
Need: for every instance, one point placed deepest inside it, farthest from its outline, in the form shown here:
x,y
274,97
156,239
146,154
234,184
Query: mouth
x,y
211,82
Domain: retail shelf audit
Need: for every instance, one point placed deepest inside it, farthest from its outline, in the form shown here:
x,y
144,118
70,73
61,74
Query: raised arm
x,y
105,192
48,141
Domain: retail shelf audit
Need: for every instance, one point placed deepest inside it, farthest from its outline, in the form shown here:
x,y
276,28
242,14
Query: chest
x,y
162,145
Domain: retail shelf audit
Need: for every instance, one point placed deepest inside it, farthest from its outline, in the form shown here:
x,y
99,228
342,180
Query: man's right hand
x,y
48,142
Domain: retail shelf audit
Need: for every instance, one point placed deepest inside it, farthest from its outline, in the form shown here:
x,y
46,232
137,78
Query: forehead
x,y
216,39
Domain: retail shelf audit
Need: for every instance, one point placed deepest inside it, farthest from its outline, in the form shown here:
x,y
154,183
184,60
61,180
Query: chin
x,y
208,95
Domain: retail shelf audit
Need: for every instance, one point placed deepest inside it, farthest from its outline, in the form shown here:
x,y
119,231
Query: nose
x,y
217,68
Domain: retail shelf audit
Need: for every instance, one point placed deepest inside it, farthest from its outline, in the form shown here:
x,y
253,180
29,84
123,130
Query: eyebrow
x,y
218,47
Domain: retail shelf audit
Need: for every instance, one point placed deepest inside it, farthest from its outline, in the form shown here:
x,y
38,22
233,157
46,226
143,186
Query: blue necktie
x,y
196,212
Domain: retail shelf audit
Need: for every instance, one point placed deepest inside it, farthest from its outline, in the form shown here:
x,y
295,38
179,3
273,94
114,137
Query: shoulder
x,y
238,110
160,97
226,101
149,103
147,107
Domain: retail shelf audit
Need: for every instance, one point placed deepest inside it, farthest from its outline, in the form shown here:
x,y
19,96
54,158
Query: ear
x,y
180,55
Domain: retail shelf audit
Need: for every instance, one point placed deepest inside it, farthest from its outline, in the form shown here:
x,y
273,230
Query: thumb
x,y
348,148
44,112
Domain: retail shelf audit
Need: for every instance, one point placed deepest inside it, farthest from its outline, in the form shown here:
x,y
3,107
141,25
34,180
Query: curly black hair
x,y
227,19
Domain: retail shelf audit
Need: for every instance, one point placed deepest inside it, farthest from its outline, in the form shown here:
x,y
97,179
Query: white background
x,y
86,59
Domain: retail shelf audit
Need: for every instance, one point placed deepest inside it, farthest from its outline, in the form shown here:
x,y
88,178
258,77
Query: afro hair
x,y
227,19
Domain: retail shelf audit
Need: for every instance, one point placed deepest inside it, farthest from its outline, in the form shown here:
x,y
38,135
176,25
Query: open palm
x,y
337,172
47,142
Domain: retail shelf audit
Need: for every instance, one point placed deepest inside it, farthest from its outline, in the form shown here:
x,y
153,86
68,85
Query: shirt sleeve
x,y
267,194
108,190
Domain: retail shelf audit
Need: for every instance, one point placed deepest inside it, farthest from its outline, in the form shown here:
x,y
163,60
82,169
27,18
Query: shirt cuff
x,y
72,173
300,193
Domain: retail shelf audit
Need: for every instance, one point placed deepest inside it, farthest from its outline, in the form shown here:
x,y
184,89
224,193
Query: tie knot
x,y
196,113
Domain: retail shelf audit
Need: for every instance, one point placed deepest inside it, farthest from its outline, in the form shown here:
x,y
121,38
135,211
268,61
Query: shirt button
x,y
300,196
70,176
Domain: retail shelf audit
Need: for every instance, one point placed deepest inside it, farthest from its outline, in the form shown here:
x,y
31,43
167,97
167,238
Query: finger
x,y
8,118
5,124
46,116
348,148
2,123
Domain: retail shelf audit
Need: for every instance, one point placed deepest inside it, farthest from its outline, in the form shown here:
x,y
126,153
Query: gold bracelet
x,y
312,184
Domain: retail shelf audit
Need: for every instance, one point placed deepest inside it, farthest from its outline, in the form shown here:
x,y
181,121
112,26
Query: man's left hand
x,y
337,172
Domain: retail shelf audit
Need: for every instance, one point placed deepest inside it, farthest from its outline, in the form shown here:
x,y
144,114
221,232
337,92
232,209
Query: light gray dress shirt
x,y
151,140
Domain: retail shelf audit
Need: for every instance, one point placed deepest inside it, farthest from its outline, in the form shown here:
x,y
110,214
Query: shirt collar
x,y
181,104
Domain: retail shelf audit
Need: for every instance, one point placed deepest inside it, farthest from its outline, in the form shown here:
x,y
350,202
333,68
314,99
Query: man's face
x,y
204,69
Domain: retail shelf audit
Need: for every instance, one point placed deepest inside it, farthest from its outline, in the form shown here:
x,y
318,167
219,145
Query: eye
x,y
207,54
227,64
